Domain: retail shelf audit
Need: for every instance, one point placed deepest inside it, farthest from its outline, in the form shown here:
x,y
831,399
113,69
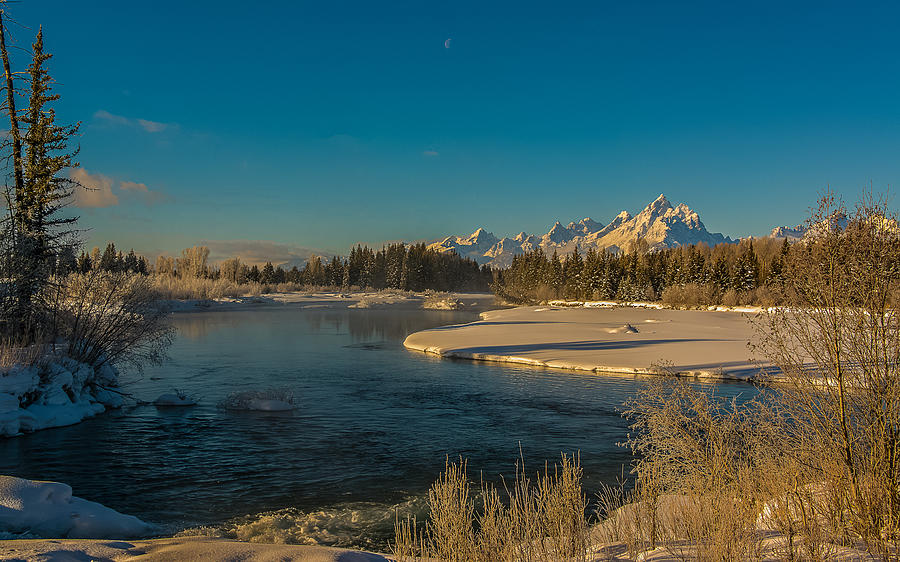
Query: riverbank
x,y
166,549
54,392
707,344
403,300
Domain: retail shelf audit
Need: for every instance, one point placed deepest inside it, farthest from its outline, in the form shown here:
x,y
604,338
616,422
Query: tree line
x,y
726,272
412,267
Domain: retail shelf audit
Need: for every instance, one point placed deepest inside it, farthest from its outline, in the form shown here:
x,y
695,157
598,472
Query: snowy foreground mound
x,y
63,392
49,510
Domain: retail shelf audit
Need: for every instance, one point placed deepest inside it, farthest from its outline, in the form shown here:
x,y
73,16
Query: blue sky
x,y
320,124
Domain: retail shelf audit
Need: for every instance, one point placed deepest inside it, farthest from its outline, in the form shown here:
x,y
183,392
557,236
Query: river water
x,y
373,427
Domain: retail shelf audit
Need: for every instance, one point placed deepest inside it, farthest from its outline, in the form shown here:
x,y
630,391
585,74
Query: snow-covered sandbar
x,y
699,343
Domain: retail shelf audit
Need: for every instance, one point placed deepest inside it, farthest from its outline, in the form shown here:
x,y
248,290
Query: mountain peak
x,y
480,236
585,226
559,234
659,205
659,224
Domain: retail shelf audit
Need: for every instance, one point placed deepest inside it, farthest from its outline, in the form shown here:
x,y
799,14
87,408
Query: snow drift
x,y
61,392
49,510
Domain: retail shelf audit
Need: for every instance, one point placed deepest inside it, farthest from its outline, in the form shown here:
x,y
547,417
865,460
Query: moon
x,y
447,43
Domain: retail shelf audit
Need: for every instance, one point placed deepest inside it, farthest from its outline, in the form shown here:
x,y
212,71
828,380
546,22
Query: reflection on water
x,y
373,427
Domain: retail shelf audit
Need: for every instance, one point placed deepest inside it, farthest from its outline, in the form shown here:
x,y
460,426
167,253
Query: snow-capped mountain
x,y
659,224
795,233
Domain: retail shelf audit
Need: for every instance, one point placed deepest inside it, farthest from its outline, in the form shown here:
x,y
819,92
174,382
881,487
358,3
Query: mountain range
x,y
659,225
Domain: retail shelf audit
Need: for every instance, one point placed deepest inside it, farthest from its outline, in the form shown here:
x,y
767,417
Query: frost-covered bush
x,y
442,301
111,317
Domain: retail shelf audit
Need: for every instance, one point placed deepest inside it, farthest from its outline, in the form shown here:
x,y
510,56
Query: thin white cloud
x,y
93,190
152,126
141,191
111,118
431,153
145,124
134,186
98,190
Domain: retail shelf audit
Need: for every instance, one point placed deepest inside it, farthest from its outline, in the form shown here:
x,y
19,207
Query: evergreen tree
x,y
747,271
84,262
109,259
776,270
36,237
130,263
267,275
46,155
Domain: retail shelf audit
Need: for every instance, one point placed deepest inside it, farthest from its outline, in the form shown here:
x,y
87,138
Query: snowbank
x,y
62,392
634,340
178,549
48,509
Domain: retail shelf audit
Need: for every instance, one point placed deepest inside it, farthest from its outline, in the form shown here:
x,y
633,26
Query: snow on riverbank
x,y
637,340
58,393
404,300
165,550
48,509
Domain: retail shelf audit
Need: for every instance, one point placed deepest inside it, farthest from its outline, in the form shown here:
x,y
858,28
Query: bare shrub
x,y
838,360
690,295
766,296
110,317
698,461
731,298
815,460
540,520
199,288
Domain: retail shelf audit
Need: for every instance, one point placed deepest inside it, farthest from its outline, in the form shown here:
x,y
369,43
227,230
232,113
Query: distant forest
x,y
751,272
396,266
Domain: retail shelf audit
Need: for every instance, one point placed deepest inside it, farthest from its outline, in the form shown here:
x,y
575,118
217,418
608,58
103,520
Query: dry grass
x,y
533,520
15,354
190,288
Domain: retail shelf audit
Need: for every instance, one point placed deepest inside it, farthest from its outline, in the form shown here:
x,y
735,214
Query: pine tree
x,y
747,270
267,275
109,261
46,155
776,271
36,237
84,262
130,263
